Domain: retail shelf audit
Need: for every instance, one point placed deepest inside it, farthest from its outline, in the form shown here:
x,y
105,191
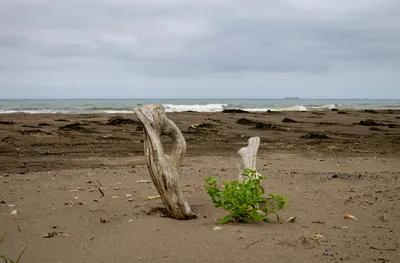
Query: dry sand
x,y
50,174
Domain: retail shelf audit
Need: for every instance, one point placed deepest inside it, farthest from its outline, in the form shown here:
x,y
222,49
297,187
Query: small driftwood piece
x,y
164,167
249,156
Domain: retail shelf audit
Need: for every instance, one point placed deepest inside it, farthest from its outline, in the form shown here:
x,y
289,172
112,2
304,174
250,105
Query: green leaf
x,y
257,217
226,219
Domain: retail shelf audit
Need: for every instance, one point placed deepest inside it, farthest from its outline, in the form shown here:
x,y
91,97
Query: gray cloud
x,y
121,39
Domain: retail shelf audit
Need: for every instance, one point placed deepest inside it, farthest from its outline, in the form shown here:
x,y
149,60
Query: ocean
x,y
121,106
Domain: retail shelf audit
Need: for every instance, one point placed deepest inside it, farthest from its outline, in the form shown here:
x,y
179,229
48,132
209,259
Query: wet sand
x,y
327,163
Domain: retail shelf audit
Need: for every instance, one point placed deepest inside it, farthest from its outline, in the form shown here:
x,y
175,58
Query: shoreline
x,y
116,106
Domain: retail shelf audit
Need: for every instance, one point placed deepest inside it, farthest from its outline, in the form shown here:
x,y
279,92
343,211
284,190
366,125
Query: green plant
x,y
4,257
243,199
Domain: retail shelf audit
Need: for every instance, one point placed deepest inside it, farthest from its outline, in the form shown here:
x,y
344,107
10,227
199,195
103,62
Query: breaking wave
x,y
197,108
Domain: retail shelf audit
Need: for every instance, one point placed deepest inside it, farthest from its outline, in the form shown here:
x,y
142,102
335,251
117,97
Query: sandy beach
x,y
328,163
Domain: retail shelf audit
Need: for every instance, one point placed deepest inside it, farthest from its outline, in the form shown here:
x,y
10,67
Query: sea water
x,y
116,106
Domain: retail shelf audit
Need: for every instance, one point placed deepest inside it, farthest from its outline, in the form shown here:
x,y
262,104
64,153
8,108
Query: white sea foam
x,y
325,107
36,111
197,107
293,108
115,111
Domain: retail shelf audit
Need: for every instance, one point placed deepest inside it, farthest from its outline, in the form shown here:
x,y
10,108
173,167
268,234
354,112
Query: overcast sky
x,y
207,48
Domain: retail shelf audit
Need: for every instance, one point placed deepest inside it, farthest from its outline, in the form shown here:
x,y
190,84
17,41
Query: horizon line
x,y
281,98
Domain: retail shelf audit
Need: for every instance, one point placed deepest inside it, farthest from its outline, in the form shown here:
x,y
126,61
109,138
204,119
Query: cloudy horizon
x,y
199,49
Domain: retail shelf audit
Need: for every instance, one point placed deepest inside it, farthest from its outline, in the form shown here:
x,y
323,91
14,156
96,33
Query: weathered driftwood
x,y
249,156
164,167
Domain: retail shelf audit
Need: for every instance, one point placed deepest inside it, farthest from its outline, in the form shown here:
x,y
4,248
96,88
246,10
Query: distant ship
x,y
291,98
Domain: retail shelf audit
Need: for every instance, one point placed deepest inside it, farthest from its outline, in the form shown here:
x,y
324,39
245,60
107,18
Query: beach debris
x,y
266,126
340,227
244,121
129,195
139,166
115,197
257,124
143,181
53,234
348,216
73,190
10,205
291,220
370,122
249,156
50,234
14,212
130,220
314,135
235,111
7,122
130,200
117,188
163,166
72,127
288,120
382,227
153,197
104,221
318,222
376,129
43,124
160,211
217,228
101,191
316,236
72,204
383,249
383,218
201,125
117,120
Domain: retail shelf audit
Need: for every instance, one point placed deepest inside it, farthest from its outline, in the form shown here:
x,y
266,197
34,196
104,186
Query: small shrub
x,y
243,199
4,257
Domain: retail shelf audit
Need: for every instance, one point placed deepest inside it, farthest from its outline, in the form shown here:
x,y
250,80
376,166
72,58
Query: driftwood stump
x,y
249,156
164,167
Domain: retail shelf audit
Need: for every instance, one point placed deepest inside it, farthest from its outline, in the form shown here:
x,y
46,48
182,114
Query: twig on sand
x,y
383,249
253,243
